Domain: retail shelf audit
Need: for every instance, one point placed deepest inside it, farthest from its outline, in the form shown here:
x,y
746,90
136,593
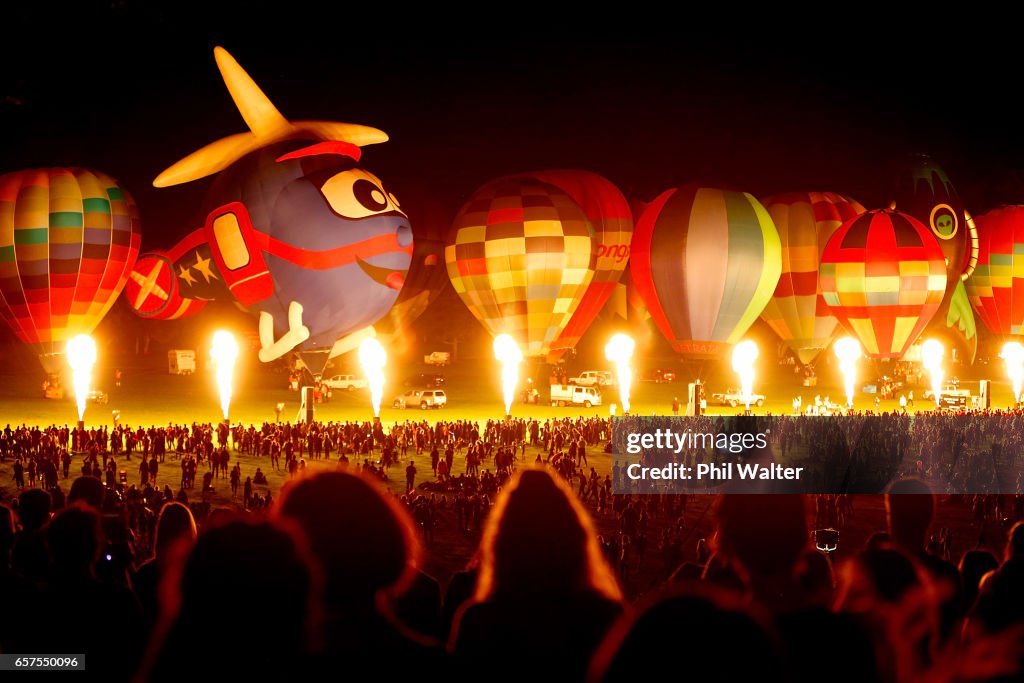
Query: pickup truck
x,y
573,394
734,397
594,378
441,358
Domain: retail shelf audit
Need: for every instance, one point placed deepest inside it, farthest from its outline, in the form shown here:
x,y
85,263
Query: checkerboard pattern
x,y
796,312
68,239
520,255
996,287
883,275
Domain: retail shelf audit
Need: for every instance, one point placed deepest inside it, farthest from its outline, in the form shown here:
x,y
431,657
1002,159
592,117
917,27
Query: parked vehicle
x,y
440,358
181,361
594,378
97,396
574,394
424,398
950,390
346,382
735,397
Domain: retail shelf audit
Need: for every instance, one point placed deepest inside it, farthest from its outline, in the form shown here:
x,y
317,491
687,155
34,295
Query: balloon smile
x,y
389,277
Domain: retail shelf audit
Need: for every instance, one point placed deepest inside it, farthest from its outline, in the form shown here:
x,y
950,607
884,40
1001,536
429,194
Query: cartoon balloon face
x,y
332,237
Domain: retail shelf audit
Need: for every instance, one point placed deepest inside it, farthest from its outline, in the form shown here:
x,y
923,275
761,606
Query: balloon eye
x,y
357,194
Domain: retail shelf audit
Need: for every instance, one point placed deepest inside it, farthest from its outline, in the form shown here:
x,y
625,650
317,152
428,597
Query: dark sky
x,y
822,103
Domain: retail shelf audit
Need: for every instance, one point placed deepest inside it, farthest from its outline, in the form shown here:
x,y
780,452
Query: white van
x,y
575,395
181,361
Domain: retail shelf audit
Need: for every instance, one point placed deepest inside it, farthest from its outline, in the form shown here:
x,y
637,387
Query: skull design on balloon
x,y
294,228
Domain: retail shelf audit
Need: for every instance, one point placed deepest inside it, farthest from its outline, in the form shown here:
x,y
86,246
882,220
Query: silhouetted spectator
x,y
30,558
242,583
366,547
175,535
544,585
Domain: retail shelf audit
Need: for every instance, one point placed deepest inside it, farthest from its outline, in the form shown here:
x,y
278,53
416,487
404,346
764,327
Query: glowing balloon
x,y
996,288
847,350
610,216
372,359
619,350
507,351
883,276
796,312
520,256
294,229
81,353
68,239
706,262
224,353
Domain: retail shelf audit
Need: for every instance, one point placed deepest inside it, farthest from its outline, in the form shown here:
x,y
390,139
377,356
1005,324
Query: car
x,y
441,358
97,396
735,397
658,376
424,398
949,389
346,382
425,379
592,378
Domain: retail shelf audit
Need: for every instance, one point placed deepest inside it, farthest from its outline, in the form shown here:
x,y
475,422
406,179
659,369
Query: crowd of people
x,y
330,570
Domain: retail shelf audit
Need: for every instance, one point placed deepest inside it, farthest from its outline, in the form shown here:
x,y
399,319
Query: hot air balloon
x,y
68,239
996,287
796,312
424,282
521,255
610,216
883,276
924,191
706,262
294,228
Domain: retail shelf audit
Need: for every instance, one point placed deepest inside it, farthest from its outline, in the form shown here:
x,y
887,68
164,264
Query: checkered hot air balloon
x,y
706,262
610,216
996,287
883,276
796,312
68,239
520,255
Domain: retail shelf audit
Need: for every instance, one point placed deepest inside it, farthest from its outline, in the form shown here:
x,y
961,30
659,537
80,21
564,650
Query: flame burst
x,y
81,351
224,353
507,351
1013,354
931,357
372,359
620,351
743,357
847,350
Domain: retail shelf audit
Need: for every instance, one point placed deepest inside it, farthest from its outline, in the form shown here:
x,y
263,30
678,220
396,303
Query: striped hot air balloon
x,y
520,255
796,312
68,239
996,287
706,262
883,276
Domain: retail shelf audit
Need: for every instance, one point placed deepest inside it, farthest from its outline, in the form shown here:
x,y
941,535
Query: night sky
x,y
838,104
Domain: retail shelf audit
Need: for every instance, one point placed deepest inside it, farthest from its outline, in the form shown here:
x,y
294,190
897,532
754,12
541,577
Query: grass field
x,y
149,395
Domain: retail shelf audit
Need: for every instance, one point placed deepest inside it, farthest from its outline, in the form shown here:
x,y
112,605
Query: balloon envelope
x,y
706,262
796,312
68,239
996,288
883,276
520,256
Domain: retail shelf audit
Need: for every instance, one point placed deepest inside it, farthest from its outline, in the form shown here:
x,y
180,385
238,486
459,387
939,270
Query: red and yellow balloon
x,y
883,275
